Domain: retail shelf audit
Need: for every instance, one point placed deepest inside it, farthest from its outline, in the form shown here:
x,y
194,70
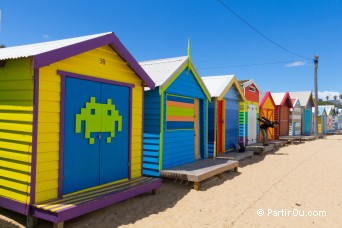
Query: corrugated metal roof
x,y
302,96
217,84
278,97
39,48
162,70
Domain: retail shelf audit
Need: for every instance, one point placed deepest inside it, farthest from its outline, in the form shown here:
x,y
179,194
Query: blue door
x,y
96,130
324,124
232,124
114,155
307,121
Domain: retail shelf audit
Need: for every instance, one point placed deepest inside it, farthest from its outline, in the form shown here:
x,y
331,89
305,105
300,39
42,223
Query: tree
x,y
327,97
340,96
335,97
320,100
2,46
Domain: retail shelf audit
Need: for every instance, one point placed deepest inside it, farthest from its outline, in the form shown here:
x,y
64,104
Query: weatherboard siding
x,y
152,111
151,139
87,64
16,116
211,128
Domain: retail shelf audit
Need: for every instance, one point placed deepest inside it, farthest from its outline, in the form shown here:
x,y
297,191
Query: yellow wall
x,y
16,116
49,111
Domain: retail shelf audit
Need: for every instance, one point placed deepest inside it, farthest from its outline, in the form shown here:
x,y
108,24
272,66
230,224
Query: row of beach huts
x,y
84,125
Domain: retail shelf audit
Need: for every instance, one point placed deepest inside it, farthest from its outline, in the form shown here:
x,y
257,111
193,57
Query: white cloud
x,y
296,64
323,95
46,36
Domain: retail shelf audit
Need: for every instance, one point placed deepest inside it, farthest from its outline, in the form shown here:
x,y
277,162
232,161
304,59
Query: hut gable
x,y
47,53
228,87
164,73
305,98
267,101
250,90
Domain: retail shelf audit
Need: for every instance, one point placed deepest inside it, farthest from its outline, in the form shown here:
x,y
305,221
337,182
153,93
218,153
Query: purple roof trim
x,y
124,53
95,205
14,205
56,55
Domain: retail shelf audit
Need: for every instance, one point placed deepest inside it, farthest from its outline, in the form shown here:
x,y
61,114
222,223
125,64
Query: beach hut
x,y
175,123
295,118
330,110
267,109
307,102
249,112
71,127
282,113
322,120
223,128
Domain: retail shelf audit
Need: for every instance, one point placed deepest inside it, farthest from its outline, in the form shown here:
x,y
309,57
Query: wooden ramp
x,y
308,137
88,200
200,170
236,156
278,143
259,148
291,139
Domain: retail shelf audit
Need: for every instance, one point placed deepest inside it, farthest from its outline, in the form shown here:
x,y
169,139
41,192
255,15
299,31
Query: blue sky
x,y
220,43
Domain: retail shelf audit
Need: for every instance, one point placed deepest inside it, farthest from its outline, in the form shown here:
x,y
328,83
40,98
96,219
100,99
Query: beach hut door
x,y
96,134
252,124
307,121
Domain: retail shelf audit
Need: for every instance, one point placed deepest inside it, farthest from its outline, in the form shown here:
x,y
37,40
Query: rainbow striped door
x,y
182,114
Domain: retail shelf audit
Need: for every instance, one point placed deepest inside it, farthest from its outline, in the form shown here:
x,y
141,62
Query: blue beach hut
x,y
175,115
223,113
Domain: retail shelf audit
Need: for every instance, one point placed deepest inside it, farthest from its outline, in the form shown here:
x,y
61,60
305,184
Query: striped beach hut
x,y
267,109
249,112
307,102
322,120
282,113
175,115
71,127
295,118
223,117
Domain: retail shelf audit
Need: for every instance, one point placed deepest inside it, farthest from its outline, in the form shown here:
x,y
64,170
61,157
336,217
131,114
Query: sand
x,y
286,184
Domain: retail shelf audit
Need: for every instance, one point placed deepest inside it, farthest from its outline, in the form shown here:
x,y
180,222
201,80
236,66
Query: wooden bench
x,y
88,200
259,148
200,170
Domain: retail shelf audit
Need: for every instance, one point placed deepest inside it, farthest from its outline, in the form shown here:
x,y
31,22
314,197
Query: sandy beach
x,y
288,185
